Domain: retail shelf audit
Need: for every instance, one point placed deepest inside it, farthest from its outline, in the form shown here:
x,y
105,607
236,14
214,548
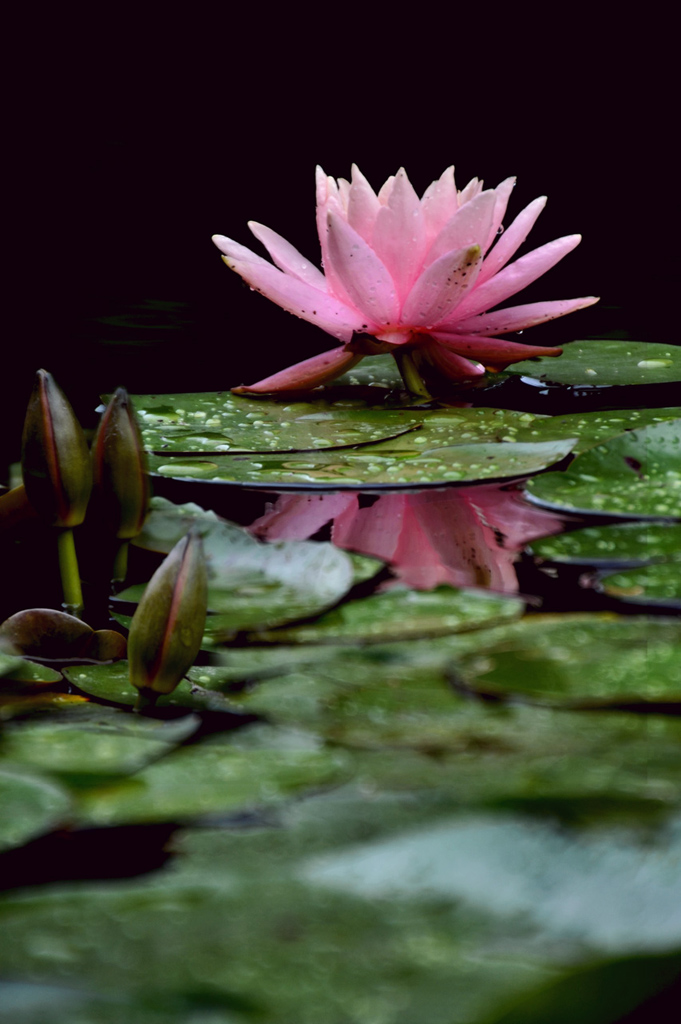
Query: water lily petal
x,y
344,194
470,191
287,257
492,352
513,237
308,374
385,190
441,287
439,202
399,234
469,226
292,294
519,318
517,276
363,205
327,200
365,277
502,193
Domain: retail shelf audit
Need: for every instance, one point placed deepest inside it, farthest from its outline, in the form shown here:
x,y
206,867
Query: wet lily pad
x,y
253,585
649,584
223,422
468,909
219,775
28,675
18,703
112,683
400,446
31,805
635,561
8,662
635,474
93,743
366,467
590,659
403,614
620,542
607,362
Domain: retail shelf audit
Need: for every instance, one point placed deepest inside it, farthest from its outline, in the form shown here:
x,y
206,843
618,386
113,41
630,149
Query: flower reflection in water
x,y
461,536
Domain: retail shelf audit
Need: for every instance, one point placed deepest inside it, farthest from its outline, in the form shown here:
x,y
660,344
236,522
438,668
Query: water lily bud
x,y
166,631
119,467
55,459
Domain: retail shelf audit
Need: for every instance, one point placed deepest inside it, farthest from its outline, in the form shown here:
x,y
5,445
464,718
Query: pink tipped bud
x,y
55,460
167,628
119,467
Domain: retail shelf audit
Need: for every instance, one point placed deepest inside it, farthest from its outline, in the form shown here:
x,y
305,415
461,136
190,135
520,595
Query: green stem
x,y
146,700
120,566
70,577
410,375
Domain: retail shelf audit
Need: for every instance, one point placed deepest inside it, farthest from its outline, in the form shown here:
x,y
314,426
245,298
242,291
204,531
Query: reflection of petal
x,y
463,537
375,530
296,517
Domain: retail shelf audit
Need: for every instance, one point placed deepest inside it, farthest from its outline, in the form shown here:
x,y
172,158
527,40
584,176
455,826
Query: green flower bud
x,y
55,460
166,630
120,471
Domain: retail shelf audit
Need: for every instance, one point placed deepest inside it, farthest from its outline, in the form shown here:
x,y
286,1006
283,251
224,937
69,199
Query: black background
x,y
133,144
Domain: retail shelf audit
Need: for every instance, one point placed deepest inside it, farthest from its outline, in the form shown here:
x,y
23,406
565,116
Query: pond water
x,y
427,766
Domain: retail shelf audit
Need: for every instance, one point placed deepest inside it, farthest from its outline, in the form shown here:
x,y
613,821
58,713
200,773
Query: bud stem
x,y
70,577
410,375
146,700
120,566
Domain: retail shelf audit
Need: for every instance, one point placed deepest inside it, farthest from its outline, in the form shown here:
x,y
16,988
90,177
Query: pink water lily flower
x,y
413,277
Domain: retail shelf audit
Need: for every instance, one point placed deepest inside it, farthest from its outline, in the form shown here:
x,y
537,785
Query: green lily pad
x,y
28,1002
611,547
402,614
467,910
21,703
366,467
31,805
635,474
399,446
112,683
223,422
220,775
378,372
21,674
253,585
591,659
93,743
8,663
620,542
607,362
652,583
594,993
